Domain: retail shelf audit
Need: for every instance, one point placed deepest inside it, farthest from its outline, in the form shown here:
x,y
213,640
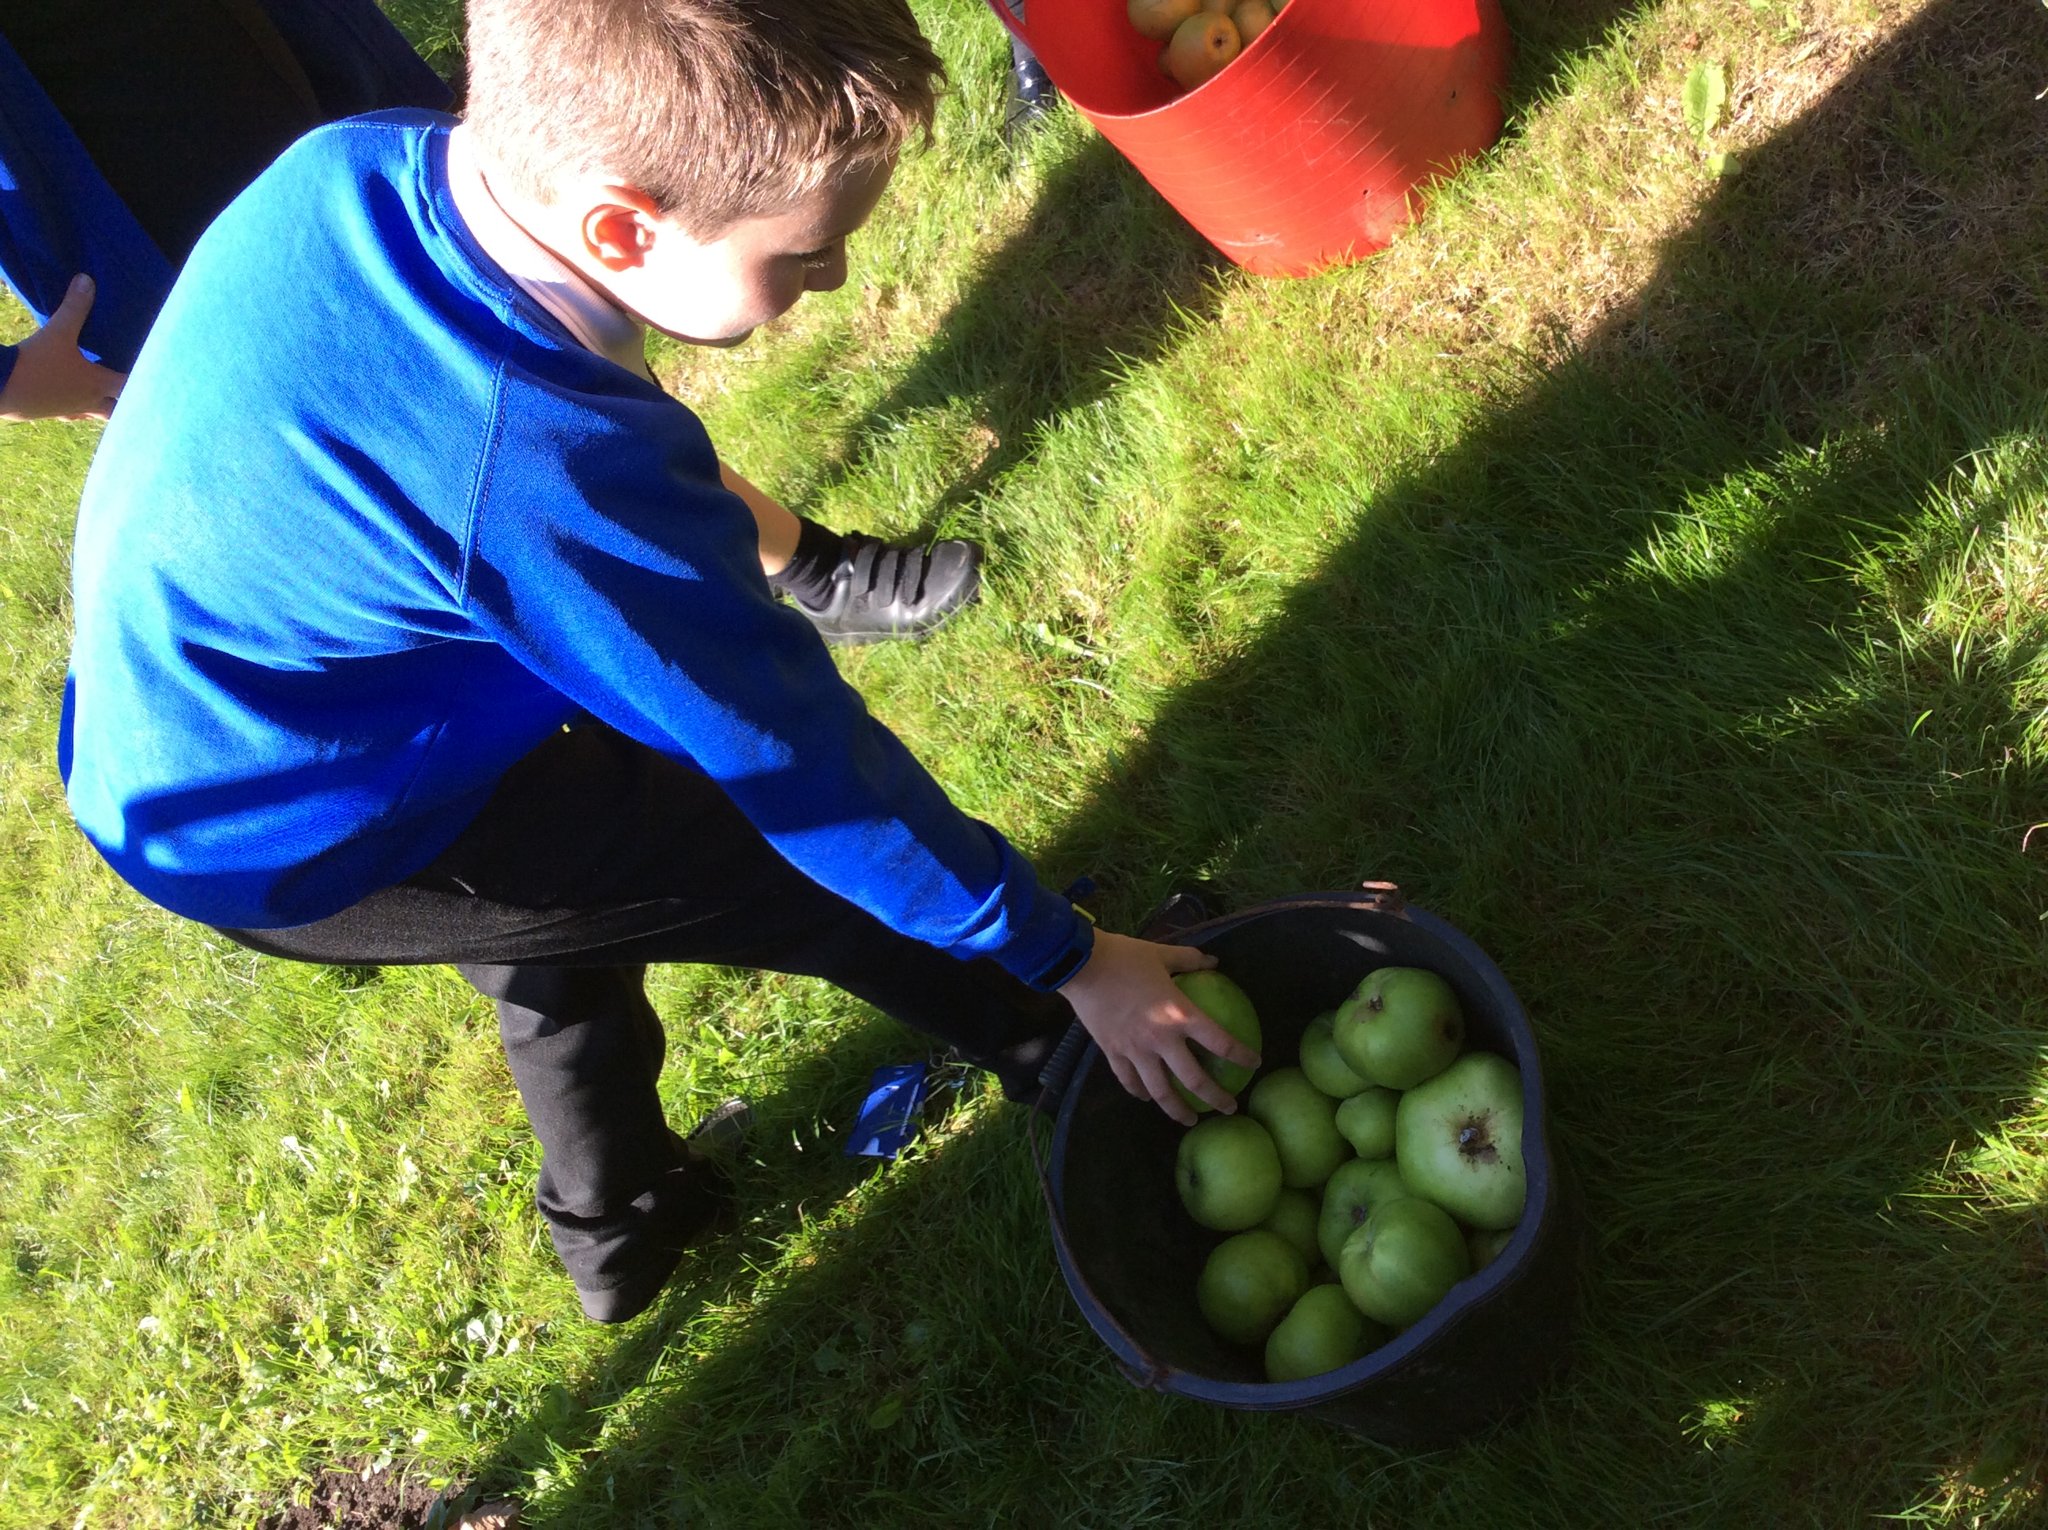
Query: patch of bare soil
x,y
384,1500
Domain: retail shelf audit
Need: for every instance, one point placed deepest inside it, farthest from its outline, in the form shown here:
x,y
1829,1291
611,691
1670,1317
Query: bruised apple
x,y
1458,1138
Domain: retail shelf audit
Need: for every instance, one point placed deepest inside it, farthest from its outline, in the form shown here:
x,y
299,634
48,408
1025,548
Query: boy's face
x,y
718,292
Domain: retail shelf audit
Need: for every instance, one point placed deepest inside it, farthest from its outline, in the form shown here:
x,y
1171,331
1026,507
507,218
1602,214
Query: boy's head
x,y
707,157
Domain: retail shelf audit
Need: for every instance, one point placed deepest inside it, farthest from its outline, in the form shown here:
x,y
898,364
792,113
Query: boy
x,y
125,129
415,624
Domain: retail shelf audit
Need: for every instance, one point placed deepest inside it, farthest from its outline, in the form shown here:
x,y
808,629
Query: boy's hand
x,y
51,377
1127,999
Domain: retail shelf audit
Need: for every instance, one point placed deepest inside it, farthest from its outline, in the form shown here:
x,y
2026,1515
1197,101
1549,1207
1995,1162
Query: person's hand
x,y
51,377
1127,999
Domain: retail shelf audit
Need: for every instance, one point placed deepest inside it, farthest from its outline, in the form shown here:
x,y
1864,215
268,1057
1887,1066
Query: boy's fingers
x,y
1185,1066
1127,1076
1187,959
1203,1029
1160,1087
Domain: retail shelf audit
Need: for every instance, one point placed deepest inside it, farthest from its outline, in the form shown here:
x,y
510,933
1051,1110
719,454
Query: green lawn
x,y
1647,571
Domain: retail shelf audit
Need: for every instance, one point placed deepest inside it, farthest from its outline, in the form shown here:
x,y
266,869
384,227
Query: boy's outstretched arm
x,y
1126,997
51,379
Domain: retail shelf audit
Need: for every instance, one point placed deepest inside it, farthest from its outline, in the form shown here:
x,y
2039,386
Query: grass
x,y
1646,570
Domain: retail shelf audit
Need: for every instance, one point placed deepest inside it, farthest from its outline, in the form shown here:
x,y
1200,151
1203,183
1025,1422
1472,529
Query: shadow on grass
x,y
1096,279
1752,856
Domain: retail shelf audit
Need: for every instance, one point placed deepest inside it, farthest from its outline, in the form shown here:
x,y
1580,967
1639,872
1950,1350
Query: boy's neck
x,y
520,236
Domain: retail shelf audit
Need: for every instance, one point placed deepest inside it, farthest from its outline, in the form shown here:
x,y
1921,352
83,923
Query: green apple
x,y
1321,1332
1458,1139
1249,1283
1402,1261
1366,1121
1303,1122
1485,1247
1228,1173
1294,1218
1353,1191
1400,1026
1324,1064
1230,1007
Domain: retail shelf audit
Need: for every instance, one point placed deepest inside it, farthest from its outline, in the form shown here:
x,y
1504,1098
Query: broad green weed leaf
x,y
828,1359
1706,96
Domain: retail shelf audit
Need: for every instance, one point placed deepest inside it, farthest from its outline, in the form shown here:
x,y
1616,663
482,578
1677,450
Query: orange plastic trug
x,y
1307,150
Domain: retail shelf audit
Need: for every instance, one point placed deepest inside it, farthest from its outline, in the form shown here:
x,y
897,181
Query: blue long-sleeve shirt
x,y
384,526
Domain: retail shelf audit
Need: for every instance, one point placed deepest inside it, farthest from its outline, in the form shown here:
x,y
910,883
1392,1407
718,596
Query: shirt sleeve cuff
x,y
1070,958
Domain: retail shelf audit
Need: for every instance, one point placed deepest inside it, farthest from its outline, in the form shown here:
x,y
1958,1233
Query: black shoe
x,y
1032,94
895,589
720,1135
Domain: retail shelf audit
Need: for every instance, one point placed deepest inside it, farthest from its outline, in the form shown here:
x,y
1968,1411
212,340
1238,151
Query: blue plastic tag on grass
x,y
889,1114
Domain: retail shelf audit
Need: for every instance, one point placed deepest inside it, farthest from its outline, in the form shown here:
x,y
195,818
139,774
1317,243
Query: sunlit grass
x,y
1648,571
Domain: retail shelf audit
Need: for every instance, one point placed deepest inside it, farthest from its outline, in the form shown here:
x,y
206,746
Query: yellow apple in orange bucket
x,y
1201,46
1159,18
1252,18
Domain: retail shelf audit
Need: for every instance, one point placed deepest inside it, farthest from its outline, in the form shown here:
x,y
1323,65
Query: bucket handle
x,y
1058,1073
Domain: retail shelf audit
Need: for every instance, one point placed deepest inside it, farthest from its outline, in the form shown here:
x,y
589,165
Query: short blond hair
x,y
718,110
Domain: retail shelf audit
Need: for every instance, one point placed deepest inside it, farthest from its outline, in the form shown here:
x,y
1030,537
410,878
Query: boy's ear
x,y
619,228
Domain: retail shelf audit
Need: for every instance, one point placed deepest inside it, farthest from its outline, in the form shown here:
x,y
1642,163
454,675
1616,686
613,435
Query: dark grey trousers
x,y
596,856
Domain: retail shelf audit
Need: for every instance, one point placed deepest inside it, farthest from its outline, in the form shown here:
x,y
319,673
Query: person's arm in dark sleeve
x,y
60,217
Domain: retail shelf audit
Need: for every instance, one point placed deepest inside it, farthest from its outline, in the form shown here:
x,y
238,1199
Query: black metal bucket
x,y
1130,1254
